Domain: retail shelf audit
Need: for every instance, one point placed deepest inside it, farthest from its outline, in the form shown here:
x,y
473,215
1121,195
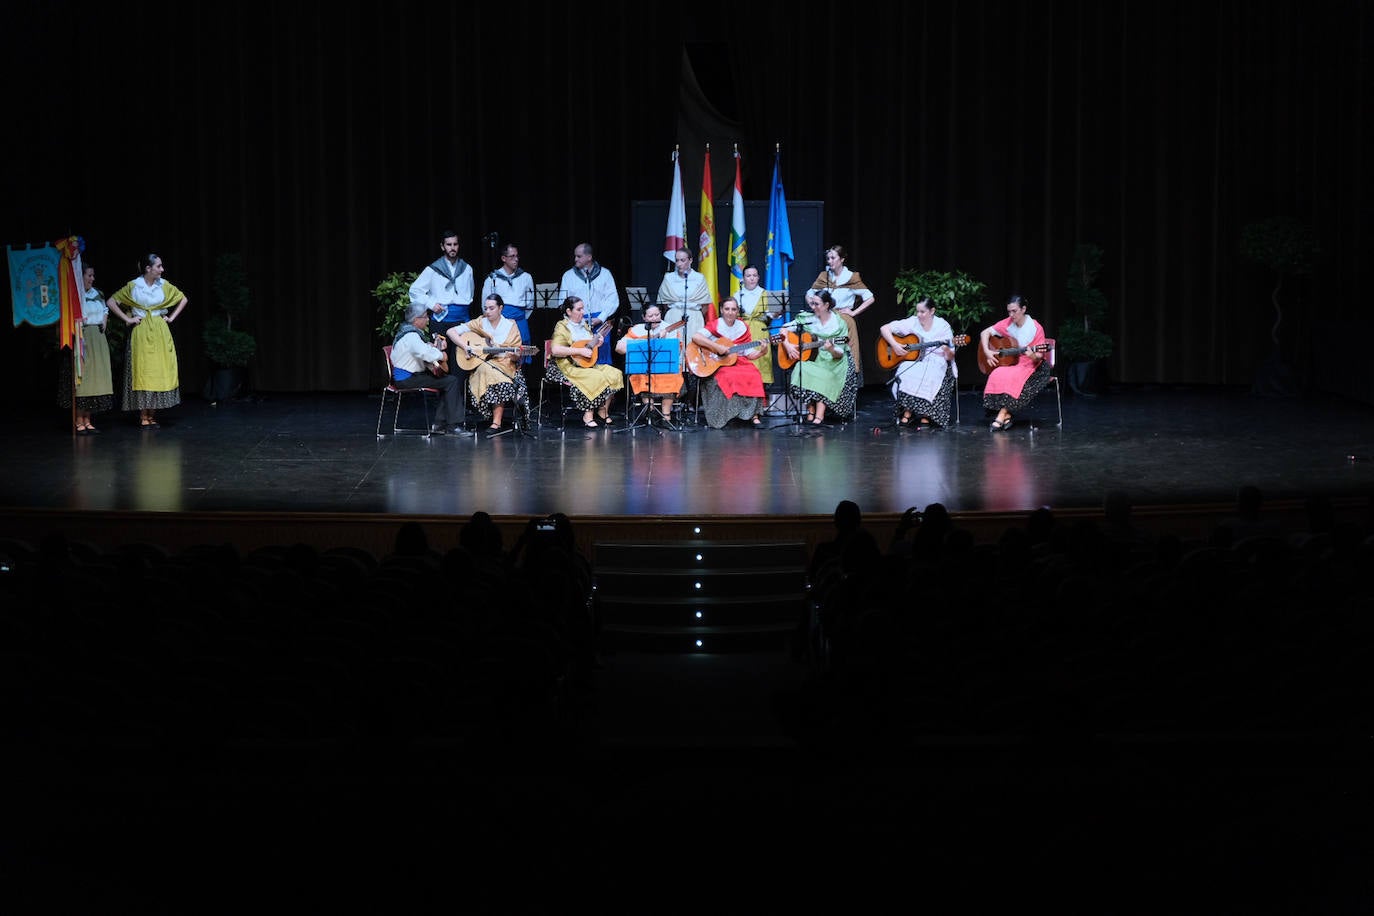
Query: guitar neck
x,y
811,345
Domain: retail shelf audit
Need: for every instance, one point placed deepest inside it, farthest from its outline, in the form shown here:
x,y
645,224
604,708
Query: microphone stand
x,y
801,363
686,335
780,376
516,425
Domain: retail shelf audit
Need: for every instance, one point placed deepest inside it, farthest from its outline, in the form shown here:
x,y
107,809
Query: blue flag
x,y
779,252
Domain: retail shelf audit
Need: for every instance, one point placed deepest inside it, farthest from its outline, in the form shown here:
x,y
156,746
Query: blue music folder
x,y
664,354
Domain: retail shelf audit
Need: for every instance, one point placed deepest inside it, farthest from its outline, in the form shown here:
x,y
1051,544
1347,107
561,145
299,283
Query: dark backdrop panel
x,y
332,148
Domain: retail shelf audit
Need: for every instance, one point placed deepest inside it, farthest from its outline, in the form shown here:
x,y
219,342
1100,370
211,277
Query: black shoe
x,y
437,431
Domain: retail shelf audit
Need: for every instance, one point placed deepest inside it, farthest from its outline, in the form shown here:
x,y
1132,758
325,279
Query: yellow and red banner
x,y
706,240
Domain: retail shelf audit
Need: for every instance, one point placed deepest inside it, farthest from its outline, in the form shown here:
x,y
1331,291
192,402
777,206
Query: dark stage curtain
x,y
330,148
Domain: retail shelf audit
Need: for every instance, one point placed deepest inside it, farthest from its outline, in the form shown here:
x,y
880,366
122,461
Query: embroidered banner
x,y
34,285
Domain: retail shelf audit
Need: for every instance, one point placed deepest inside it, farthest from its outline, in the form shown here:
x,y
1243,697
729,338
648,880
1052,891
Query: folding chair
x,y
545,382
390,390
1054,379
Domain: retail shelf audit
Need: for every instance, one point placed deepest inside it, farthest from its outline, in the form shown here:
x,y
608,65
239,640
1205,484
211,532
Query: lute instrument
x,y
483,351
915,348
597,339
438,368
806,342
1006,355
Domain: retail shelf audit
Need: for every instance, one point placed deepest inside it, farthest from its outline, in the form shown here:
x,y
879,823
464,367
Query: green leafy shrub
x,y
958,298
393,297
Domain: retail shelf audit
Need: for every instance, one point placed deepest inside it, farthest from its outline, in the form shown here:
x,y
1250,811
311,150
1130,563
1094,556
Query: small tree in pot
x,y
1288,248
228,344
1080,342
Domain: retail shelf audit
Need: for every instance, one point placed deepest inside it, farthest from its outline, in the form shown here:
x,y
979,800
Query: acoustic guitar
x,y
1006,356
597,339
482,352
704,362
915,348
806,342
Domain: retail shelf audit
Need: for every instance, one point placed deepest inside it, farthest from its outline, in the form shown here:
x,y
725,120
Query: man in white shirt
x,y
595,286
445,287
413,362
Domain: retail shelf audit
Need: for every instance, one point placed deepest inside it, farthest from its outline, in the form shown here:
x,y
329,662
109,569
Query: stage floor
x,y
319,453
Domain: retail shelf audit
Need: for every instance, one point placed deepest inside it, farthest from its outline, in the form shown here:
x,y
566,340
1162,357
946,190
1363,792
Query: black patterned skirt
x,y
1034,385
937,410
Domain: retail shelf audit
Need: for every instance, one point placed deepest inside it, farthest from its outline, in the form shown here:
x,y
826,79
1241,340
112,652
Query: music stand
x,y
651,356
776,310
547,295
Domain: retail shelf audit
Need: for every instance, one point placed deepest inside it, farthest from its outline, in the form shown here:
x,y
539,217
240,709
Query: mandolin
x,y
704,362
597,339
1006,356
806,344
482,352
664,332
915,348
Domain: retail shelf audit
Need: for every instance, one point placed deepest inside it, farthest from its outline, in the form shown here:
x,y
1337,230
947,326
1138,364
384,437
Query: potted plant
x,y
1080,342
958,298
393,298
229,348
1288,248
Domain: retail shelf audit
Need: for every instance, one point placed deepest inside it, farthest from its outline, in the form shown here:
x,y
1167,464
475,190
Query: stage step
x,y
698,595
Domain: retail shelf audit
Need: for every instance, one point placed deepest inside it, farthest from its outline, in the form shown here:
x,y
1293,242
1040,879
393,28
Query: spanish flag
x,y
706,255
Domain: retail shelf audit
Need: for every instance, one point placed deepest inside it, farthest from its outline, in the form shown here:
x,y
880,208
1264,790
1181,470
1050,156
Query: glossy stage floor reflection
x,y
319,453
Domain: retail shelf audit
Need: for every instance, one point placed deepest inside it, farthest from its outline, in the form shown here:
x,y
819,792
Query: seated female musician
x,y
826,380
497,380
1010,388
924,384
666,384
733,391
593,387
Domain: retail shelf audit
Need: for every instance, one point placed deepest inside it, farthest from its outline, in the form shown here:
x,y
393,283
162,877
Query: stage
x,y
319,453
